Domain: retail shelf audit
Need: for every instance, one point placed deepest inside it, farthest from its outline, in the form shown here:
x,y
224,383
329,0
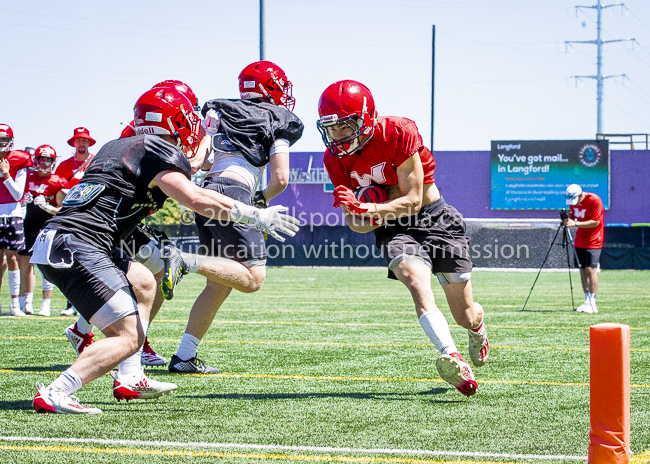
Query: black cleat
x,y
175,268
191,366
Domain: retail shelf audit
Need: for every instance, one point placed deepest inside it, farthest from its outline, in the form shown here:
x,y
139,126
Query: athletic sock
x,y
191,260
21,299
14,284
435,326
587,298
69,382
45,305
131,365
149,256
83,326
188,347
29,298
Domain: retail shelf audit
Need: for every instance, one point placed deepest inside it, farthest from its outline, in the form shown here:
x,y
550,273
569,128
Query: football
x,y
372,194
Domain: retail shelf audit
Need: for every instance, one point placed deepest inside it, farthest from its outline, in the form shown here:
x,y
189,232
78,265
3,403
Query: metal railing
x,y
627,139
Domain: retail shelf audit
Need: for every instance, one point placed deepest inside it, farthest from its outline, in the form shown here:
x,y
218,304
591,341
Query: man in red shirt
x,y
74,167
419,233
587,214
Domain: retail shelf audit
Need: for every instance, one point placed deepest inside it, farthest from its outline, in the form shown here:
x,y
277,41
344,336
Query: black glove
x,y
259,201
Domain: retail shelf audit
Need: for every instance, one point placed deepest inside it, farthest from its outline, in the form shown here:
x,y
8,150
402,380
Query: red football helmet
x,y
166,111
45,159
348,103
266,80
183,88
6,138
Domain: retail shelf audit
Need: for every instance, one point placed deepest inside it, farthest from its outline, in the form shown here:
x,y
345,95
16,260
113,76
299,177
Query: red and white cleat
x,y
479,346
139,387
52,400
150,357
78,340
454,370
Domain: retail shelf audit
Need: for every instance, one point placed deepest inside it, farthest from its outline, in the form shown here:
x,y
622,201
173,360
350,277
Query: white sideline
x,y
324,449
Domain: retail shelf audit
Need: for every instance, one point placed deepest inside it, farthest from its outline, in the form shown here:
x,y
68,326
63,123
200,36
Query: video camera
x,y
564,214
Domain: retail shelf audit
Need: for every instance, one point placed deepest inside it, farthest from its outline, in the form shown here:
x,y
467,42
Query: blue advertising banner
x,y
534,174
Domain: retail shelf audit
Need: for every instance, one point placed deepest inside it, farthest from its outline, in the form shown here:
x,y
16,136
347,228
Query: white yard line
x,y
320,449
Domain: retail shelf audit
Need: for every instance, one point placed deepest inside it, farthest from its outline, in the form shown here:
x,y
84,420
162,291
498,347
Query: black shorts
x,y
588,257
436,235
240,242
12,236
31,231
94,277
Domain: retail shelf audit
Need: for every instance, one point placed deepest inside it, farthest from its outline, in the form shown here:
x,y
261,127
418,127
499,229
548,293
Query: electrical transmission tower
x,y
599,42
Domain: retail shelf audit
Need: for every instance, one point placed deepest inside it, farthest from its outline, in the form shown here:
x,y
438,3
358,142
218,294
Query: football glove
x,y
211,122
343,196
44,205
269,221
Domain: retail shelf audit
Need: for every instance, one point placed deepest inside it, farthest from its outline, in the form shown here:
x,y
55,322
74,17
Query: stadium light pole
x,y
433,75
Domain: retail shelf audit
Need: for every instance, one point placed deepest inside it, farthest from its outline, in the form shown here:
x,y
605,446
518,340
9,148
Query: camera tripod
x,y
567,242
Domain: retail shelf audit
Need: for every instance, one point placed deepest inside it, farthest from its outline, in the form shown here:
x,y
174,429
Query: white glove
x,y
268,221
211,122
28,198
41,203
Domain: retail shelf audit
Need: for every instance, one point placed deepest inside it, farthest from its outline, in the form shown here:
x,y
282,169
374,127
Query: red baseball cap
x,y
81,133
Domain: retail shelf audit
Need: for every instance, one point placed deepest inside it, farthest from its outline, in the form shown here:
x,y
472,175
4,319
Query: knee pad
x,y
446,278
403,257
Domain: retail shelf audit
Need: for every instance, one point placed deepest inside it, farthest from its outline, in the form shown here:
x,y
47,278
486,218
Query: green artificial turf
x,y
336,358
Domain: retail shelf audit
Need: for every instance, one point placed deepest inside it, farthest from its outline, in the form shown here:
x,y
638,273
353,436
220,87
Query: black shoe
x,y
191,366
175,268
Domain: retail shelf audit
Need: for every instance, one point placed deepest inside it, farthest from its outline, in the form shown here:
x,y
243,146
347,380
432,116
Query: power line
x,y
599,42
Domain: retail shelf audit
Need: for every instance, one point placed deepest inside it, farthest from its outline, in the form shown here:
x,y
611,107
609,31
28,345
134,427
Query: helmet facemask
x,y
6,144
351,143
185,128
44,165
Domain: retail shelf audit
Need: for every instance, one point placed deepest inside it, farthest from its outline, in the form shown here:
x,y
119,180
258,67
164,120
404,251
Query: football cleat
x,y
479,347
586,308
53,400
28,309
44,312
139,387
175,268
454,370
150,357
78,340
71,311
191,366
15,310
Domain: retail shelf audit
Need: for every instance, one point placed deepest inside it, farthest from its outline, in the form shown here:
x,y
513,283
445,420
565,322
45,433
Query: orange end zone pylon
x,y
609,410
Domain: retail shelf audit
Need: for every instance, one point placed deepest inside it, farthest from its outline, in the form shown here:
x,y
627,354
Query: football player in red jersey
x,y
44,194
417,231
587,213
13,168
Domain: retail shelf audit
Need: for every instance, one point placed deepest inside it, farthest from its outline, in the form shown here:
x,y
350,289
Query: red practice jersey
x,y
395,140
47,186
18,159
73,170
590,208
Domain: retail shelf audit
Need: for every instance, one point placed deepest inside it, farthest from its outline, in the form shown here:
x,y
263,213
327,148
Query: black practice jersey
x,y
125,167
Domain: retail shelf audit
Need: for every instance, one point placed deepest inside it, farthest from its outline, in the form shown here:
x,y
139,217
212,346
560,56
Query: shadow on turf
x,y
292,396
15,405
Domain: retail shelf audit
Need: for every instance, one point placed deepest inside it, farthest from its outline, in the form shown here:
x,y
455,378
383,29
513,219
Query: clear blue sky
x,y
501,67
